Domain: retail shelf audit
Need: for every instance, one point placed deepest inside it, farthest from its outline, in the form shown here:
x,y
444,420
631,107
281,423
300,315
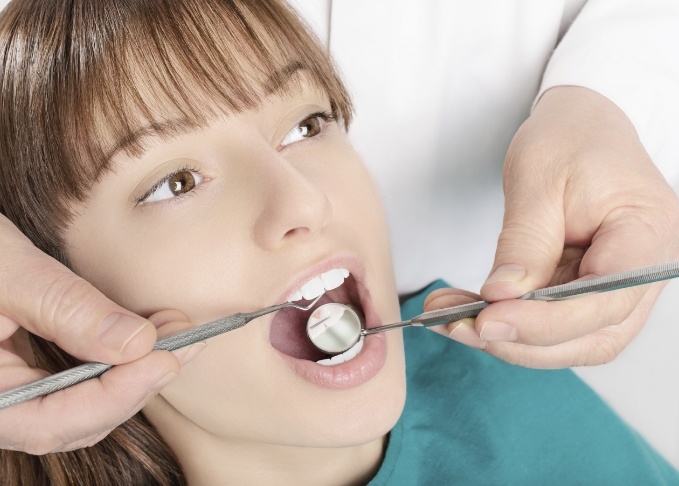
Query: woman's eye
x,y
307,128
174,185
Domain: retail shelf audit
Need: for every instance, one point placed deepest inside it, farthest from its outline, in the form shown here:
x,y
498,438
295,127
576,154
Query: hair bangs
x,y
97,74
195,61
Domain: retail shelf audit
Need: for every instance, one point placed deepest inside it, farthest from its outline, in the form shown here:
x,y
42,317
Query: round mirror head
x,y
334,328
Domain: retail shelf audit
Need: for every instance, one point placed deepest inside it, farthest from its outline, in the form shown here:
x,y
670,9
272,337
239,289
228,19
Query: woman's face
x,y
236,216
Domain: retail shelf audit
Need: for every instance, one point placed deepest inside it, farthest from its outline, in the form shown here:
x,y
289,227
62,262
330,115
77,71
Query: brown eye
x,y
173,185
181,182
310,127
307,128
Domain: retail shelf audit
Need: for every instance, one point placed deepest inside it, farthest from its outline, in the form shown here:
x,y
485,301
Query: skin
x,y
577,137
263,213
73,318
583,198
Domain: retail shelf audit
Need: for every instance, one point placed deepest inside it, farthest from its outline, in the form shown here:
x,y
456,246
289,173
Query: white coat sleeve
x,y
628,51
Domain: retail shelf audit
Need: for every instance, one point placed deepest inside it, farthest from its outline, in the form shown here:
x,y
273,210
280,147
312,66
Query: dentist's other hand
x,y
582,198
41,296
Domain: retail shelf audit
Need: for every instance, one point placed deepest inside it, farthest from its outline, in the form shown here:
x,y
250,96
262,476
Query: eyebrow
x,y
280,78
275,83
172,127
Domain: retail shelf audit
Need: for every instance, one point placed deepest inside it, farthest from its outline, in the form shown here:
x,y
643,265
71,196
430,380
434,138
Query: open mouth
x,y
288,328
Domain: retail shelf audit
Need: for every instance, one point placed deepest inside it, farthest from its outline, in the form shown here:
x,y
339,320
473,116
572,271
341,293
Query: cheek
x,y
230,387
147,271
354,196
358,210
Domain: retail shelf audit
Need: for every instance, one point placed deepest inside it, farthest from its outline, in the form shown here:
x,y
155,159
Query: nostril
x,y
298,212
295,232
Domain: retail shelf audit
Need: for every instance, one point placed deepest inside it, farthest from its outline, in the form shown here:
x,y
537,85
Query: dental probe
x,y
84,372
566,291
335,328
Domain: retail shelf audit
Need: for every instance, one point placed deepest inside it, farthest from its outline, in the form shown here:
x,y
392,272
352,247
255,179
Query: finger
x,y
632,238
548,323
14,349
442,298
84,442
46,298
163,317
625,240
596,348
532,237
13,374
461,331
170,322
88,409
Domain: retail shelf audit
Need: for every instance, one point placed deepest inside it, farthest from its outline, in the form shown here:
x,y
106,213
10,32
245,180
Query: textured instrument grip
x,y
201,333
51,383
606,283
76,375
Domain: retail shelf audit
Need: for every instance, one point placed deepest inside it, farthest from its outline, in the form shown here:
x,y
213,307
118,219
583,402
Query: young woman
x,y
190,159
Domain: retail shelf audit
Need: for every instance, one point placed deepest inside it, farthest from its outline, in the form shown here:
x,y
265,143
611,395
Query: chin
x,y
350,417
367,423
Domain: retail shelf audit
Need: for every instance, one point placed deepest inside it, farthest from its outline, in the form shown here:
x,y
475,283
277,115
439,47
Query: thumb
x,y
531,241
47,299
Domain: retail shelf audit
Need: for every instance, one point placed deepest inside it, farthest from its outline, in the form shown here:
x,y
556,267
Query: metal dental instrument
x,y
344,335
334,328
570,290
346,327
84,372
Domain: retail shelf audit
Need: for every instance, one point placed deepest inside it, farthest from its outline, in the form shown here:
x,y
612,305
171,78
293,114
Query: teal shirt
x,y
472,419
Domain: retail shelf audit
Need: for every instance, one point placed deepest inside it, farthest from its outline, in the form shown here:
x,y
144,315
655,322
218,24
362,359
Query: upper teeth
x,y
318,285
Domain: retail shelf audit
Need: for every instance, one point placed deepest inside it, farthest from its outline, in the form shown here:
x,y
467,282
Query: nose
x,y
295,208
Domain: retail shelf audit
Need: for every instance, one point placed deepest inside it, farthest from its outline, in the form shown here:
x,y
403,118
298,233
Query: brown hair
x,y
82,79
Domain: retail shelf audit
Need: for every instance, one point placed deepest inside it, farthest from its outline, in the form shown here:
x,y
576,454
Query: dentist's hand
x,y
582,199
39,295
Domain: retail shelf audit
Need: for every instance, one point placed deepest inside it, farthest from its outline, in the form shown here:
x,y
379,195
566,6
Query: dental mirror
x,y
334,328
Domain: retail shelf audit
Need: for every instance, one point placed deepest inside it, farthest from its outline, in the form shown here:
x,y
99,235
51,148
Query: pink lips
x,y
345,375
363,366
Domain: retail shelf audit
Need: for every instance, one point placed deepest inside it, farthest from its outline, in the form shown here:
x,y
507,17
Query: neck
x,y
207,459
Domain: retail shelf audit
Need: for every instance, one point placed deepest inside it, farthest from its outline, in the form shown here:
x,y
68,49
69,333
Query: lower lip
x,y
358,370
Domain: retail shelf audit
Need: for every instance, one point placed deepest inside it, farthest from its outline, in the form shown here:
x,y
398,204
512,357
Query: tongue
x,y
288,334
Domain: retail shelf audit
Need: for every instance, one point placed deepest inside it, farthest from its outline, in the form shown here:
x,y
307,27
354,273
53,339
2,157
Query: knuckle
x,y
614,308
39,444
670,227
602,347
521,236
45,448
656,216
514,354
85,442
544,326
549,335
67,303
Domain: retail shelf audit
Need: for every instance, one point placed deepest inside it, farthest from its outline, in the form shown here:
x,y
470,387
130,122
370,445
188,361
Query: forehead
x,y
172,69
293,83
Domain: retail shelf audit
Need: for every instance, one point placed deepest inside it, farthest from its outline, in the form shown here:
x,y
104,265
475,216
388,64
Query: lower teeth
x,y
345,356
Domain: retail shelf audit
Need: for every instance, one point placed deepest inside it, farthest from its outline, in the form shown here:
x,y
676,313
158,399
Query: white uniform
x,y
440,88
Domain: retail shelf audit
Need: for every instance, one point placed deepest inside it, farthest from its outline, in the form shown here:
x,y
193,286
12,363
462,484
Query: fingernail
x,y
498,331
466,334
186,354
119,329
509,272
